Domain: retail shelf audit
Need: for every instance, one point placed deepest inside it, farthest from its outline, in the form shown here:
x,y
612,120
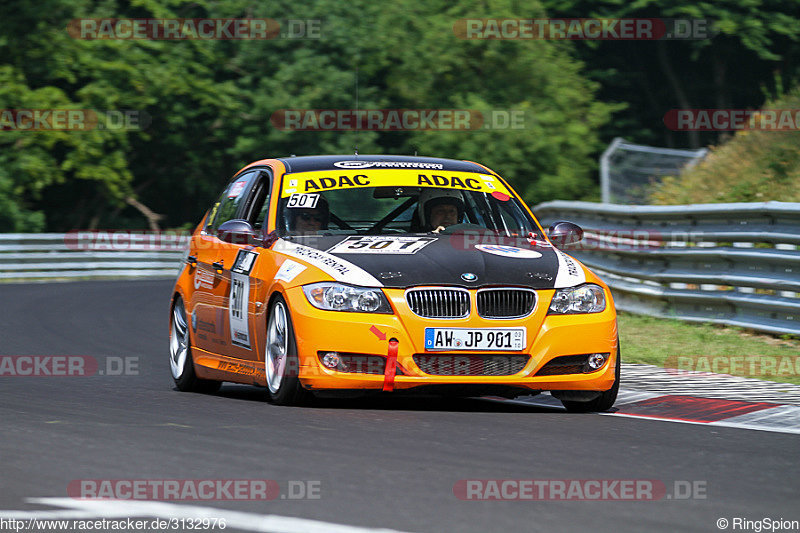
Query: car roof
x,y
328,162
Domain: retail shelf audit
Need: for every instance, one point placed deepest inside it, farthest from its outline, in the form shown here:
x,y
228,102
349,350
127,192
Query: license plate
x,y
495,339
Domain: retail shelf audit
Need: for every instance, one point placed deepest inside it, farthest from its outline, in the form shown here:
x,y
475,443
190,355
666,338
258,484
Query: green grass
x,y
752,166
660,342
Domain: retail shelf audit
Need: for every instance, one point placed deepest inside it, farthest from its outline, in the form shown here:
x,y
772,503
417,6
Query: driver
x,y
306,220
439,208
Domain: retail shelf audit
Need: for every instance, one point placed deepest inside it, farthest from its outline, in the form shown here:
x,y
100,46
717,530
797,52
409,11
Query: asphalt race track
x,y
380,462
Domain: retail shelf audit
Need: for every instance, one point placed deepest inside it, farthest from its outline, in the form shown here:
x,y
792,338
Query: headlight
x,y
338,297
587,298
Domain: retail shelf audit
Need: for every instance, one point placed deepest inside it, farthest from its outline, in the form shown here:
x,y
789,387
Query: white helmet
x,y
429,198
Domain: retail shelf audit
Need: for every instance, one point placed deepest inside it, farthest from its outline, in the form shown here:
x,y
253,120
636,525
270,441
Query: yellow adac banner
x,y
330,180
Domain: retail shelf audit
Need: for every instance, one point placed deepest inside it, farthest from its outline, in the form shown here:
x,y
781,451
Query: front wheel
x,y
180,354
281,364
605,401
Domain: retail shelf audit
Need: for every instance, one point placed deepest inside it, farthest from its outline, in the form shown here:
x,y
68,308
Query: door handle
x,y
218,266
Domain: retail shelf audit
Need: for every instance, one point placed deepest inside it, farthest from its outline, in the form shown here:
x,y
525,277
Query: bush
x,y
753,166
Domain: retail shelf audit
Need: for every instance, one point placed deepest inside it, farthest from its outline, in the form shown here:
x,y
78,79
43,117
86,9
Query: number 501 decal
x,y
378,244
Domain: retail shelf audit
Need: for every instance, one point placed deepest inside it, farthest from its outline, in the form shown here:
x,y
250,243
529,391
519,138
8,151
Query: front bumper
x,y
361,333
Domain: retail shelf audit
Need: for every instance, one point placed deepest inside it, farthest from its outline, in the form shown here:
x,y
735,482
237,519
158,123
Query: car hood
x,y
429,259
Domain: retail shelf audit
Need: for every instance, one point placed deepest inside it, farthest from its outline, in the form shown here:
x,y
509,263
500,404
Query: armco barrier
x,y
735,264
90,255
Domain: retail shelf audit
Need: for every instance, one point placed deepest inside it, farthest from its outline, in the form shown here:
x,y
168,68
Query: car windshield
x,y
397,202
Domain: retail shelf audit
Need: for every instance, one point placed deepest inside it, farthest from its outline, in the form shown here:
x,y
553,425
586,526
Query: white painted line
x,y
783,416
82,509
722,423
708,385
756,427
778,419
633,396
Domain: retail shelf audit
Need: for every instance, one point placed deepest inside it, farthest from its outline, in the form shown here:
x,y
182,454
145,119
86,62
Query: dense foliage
x,y
208,103
753,166
753,51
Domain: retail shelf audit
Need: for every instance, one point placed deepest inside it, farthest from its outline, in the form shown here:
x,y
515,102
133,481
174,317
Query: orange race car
x,y
334,274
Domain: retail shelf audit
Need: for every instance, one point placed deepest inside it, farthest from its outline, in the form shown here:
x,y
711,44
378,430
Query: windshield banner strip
x,y
329,180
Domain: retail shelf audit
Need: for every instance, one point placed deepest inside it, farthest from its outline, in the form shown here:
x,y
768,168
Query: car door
x,y
212,275
244,289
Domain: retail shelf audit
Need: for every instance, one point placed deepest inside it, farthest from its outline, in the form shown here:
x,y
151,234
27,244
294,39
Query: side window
x,y
255,212
228,204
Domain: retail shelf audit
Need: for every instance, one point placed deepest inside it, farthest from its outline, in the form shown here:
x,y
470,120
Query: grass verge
x,y
712,348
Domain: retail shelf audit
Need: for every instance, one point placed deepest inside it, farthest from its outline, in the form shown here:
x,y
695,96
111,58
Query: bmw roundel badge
x,y
468,276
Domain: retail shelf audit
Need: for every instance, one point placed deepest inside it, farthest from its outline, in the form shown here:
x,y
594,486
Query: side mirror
x,y
563,233
237,231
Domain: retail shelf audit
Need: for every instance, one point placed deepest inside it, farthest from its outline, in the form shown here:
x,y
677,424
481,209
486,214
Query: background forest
x,y
209,102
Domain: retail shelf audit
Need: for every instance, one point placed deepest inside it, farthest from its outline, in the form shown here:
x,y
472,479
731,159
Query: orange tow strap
x,y
391,365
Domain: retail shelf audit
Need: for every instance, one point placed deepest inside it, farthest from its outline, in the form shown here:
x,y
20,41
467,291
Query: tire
x,y
281,364
180,355
605,401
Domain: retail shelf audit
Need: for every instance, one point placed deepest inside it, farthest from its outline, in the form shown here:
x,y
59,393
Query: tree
x,y
205,105
751,42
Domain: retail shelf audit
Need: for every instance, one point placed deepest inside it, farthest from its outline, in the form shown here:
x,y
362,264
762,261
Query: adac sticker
x,y
508,251
327,180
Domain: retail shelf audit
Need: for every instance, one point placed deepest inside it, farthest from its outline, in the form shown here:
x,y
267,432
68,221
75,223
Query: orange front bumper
x,y
547,337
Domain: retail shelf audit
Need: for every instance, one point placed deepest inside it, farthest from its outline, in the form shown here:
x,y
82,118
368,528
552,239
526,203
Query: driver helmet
x,y
430,198
320,212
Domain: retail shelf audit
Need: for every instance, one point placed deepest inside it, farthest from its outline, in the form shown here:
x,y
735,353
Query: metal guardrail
x,y
734,264
89,255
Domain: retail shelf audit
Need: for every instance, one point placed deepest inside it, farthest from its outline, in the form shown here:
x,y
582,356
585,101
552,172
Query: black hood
x,y
450,260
